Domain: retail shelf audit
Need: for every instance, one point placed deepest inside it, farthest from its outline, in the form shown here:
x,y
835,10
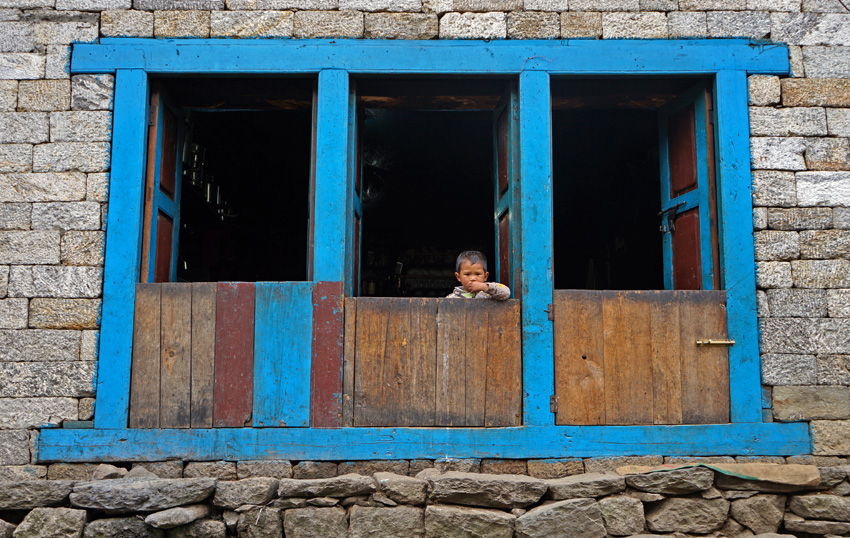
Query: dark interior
x,y
427,194
606,182
245,195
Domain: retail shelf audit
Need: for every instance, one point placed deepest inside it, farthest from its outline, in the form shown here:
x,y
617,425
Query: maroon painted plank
x,y
502,149
681,136
233,393
150,175
326,364
168,156
687,264
164,240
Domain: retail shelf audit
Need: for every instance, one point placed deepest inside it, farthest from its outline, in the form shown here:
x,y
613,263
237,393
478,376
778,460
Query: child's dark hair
x,y
473,257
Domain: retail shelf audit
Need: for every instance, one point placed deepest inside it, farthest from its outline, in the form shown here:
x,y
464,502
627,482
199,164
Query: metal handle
x,y
711,342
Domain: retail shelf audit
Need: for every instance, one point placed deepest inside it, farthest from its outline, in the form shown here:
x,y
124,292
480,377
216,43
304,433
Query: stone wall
x,y
434,502
55,147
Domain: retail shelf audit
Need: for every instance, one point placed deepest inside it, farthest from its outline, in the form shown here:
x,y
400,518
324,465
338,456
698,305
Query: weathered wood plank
x,y
283,328
705,370
176,353
396,347
144,379
628,361
579,359
666,357
234,354
476,324
371,338
421,368
203,353
504,365
451,363
326,351
349,362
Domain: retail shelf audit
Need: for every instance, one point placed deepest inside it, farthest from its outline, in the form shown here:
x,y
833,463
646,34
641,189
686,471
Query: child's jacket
x,y
495,291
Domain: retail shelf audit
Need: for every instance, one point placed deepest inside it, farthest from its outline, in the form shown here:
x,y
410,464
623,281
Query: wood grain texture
x,y
234,354
579,358
666,357
203,353
421,368
705,369
144,377
451,363
326,361
348,362
476,332
504,365
176,354
371,335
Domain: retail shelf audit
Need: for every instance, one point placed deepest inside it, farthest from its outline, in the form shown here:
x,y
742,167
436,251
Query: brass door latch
x,y
711,342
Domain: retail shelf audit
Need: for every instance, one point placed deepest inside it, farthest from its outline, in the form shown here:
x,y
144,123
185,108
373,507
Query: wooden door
x,y
632,357
506,187
163,181
688,208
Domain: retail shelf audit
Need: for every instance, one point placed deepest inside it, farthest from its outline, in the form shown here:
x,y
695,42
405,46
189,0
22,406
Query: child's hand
x,y
475,287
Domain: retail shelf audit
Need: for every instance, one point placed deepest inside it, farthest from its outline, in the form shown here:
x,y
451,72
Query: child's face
x,y
471,272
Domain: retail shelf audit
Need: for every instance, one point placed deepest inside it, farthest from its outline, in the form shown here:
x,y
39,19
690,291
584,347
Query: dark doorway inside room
x,y
426,150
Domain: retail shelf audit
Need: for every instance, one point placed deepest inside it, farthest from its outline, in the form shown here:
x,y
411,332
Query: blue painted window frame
x,y
727,62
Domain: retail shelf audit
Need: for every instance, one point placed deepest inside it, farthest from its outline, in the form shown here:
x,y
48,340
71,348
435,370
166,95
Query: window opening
x,y
246,165
607,181
426,152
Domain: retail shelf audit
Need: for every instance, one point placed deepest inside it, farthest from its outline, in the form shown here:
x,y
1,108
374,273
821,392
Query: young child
x,y
471,272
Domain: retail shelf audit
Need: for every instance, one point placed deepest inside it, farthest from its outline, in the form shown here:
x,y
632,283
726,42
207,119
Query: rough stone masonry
x,y
438,503
55,136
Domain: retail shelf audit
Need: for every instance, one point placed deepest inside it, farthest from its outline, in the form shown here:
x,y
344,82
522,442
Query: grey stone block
x,y
39,247
251,24
384,5
16,37
85,409
39,345
42,187
474,26
367,521
774,188
55,281
58,63
126,24
753,24
401,25
838,121
328,24
810,28
802,218
827,62
177,516
779,369
821,273
805,335
773,245
707,5
485,490
821,507
222,470
673,482
234,494
545,5
830,437
72,471
828,153
273,469
44,95
795,403
187,5
584,517
21,66
82,248
823,6
28,494
93,5
486,5
64,313
687,515
610,464
13,313
14,473
15,216
162,469
581,25
26,413
838,302
8,95
791,6
833,369
535,25
55,522
181,23
88,346
46,379
797,303
687,24
585,486
64,28
347,485
15,158
298,5
841,218
23,127
634,25
774,153
370,467
308,522
762,309
445,520
500,466
402,489
763,89
604,5
761,513
825,244
314,469
66,156
66,216
659,5
823,188
830,92
800,121
623,515
81,126
14,447
143,495
97,187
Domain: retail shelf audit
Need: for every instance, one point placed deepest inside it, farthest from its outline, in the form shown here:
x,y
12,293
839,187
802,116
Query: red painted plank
x,y
164,240
233,392
326,371
687,263
681,136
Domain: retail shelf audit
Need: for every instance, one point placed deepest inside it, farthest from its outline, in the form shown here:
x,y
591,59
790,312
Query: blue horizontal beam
x,y
752,439
575,57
